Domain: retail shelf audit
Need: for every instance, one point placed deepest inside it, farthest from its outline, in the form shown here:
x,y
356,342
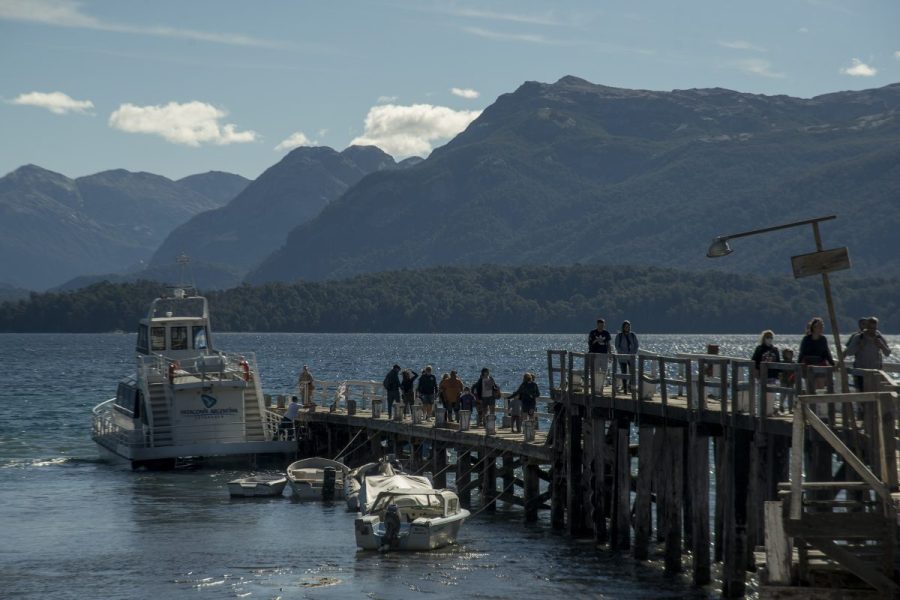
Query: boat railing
x,y
104,428
219,366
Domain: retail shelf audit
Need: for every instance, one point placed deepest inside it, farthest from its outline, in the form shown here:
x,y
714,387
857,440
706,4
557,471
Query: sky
x,y
184,87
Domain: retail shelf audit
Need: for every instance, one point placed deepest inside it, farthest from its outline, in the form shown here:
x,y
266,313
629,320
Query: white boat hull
x,y
255,487
307,478
420,535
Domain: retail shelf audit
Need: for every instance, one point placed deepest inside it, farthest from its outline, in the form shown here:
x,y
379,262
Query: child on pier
x,y
515,415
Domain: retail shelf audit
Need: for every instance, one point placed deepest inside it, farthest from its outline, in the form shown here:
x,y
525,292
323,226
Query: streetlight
x,y
820,262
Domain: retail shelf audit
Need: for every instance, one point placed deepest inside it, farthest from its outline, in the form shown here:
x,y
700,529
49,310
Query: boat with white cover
x,y
311,478
257,486
411,515
356,478
186,400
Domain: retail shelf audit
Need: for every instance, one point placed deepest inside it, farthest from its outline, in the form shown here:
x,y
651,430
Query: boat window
x,y
179,338
138,400
142,339
158,338
200,337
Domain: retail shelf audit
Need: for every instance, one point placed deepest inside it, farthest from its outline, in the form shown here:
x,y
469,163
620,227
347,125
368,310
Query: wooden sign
x,y
817,263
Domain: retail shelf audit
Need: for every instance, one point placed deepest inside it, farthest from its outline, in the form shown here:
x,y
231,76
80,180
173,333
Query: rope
x,y
366,441
503,491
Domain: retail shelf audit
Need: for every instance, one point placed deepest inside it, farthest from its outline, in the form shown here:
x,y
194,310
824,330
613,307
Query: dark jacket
x,y
598,341
407,384
767,354
392,381
528,393
814,352
428,384
485,394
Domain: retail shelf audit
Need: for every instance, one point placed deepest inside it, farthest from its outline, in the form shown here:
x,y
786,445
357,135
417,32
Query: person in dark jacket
x,y
814,348
767,352
407,390
626,344
486,392
427,389
528,393
392,385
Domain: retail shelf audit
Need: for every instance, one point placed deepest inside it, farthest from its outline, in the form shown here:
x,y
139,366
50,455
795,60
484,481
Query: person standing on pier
x,y
528,393
451,388
814,348
428,390
767,352
306,385
392,385
598,343
408,392
627,344
868,349
486,392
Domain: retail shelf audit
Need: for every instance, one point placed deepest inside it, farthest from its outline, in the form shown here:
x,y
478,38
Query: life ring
x,y
173,366
245,366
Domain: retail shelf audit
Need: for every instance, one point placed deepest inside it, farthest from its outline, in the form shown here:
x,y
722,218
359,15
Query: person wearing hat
x,y
626,343
867,349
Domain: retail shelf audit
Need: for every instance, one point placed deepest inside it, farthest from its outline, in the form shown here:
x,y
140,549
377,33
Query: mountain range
x,y
550,174
53,228
573,172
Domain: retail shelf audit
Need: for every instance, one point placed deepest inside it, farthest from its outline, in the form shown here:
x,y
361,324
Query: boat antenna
x,y
185,272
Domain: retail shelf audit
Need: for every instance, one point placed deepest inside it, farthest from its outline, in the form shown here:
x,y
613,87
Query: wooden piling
x,y
489,481
532,474
698,476
574,519
439,464
598,496
673,501
558,484
463,476
620,536
642,516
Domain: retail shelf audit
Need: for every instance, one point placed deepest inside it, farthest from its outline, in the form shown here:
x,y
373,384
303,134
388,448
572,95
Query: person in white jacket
x,y
626,343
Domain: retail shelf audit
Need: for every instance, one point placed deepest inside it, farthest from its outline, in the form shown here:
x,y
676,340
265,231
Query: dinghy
x,y
317,478
257,486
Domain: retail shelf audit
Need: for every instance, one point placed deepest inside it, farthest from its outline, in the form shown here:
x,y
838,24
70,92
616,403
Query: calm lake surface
x,y
74,527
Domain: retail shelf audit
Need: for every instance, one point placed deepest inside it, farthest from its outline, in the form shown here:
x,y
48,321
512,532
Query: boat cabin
x,y
176,326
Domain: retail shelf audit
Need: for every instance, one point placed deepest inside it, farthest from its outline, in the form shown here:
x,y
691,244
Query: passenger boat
x,y
186,401
416,517
257,486
317,478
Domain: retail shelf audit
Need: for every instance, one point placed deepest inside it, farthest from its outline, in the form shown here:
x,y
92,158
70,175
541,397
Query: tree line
x,y
484,299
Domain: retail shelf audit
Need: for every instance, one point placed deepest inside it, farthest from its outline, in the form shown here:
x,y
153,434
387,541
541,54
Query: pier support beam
x,y
509,476
463,476
598,480
642,516
532,473
673,499
735,523
558,484
574,518
439,464
621,525
488,480
698,476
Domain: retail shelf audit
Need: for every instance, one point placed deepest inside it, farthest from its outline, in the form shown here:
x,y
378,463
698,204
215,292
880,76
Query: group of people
x,y
867,347
454,395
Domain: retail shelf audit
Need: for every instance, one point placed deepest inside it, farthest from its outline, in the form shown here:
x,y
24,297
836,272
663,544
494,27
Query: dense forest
x,y
485,299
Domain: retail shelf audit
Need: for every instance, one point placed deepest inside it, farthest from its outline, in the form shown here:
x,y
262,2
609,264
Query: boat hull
x,y
419,536
255,487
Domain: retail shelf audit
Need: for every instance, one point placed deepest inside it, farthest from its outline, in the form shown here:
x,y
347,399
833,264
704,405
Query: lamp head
x,y
718,248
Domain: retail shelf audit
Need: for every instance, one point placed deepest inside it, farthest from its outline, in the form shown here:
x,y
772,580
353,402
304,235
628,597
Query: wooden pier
x,y
703,463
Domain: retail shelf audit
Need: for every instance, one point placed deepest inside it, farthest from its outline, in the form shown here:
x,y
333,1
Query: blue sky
x,y
183,87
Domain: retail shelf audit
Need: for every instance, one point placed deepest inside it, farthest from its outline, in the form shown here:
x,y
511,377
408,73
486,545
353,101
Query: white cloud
x,y
56,102
803,30
403,131
528,38
67,13
534,19
757,66
387,99
295,140
897,54
741,45
859,69
467,93
191,123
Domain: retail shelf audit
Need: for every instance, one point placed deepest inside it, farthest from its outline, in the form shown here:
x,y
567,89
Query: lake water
x,y
74,527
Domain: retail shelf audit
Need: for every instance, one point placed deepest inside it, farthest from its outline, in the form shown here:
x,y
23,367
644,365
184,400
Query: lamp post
x,y
820,262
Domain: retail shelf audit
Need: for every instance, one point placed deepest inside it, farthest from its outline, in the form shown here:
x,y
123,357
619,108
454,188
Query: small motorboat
x,y
317,478
257,486
418,518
